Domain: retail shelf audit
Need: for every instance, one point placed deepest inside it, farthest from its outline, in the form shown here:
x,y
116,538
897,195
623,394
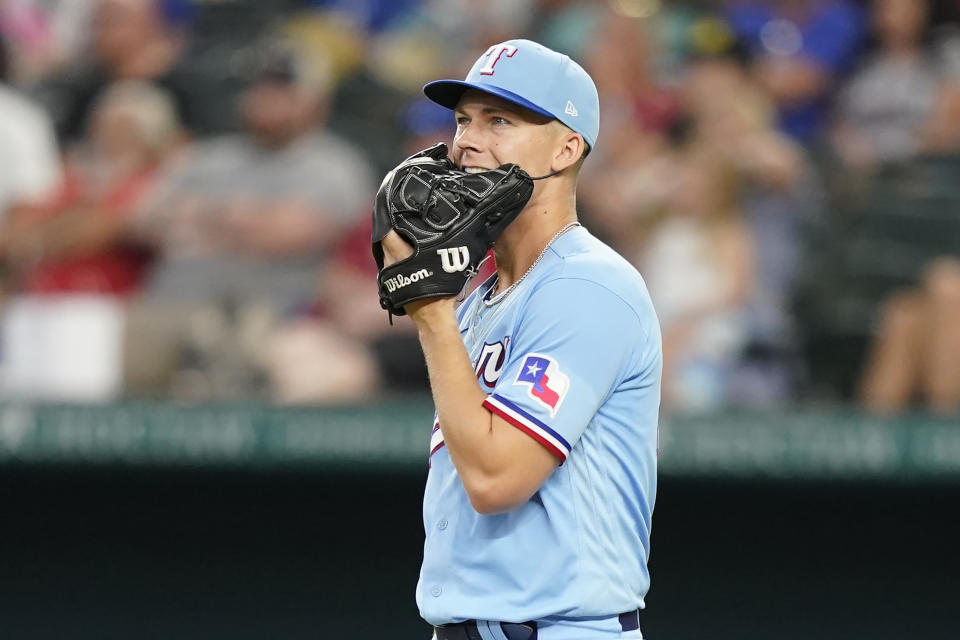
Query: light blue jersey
x,y
572,358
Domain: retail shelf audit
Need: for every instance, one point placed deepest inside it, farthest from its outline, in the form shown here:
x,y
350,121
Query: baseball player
x,y
546,379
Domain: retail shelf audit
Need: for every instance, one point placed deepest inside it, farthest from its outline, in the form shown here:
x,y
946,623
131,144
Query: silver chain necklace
x,y
503,294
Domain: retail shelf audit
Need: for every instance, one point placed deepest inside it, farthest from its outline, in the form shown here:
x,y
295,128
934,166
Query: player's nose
x,y
466,141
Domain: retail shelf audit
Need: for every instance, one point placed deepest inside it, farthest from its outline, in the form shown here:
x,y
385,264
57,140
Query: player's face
x,y
492,132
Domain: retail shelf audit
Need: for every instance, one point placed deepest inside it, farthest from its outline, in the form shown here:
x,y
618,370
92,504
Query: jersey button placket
x,y
436,590
443,524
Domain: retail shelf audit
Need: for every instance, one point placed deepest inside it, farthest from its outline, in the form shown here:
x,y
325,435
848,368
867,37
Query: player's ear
x,y
569,149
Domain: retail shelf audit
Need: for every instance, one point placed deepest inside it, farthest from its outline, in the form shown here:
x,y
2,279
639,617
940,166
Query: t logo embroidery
x,y
493,57
455,259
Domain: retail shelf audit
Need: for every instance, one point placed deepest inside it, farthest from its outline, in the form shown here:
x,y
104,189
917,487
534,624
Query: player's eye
x,y
462,121
499,120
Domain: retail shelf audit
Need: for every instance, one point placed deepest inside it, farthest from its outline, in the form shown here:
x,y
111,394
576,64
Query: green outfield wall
x,y
154,521
803,443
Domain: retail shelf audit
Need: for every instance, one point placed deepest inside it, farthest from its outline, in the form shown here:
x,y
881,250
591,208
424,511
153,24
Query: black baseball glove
x,y
449,216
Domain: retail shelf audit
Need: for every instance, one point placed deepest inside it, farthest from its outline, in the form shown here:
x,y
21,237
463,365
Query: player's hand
x,y
395,248
450,217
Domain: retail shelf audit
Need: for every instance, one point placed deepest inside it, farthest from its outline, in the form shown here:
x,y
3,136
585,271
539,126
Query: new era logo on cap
x,y
535,77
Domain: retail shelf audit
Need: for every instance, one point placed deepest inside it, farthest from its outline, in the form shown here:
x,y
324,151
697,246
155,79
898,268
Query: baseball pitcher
x,y
546,379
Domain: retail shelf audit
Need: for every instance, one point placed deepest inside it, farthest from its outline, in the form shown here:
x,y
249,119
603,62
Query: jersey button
x,y
436,591
442,524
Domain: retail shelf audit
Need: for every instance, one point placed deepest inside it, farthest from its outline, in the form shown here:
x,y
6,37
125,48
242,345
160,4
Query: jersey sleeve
x,y
574,342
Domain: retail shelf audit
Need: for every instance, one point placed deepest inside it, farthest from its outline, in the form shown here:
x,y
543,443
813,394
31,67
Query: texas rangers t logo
x,y
493,57
547,383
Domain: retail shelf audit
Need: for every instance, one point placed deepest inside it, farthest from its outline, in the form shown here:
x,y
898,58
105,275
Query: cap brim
x,y
448,93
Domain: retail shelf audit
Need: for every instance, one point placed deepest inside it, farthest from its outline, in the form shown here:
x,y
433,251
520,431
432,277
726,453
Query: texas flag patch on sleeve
x,y
545,382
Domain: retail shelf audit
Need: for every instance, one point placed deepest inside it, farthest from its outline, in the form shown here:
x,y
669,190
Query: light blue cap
x,y
532,76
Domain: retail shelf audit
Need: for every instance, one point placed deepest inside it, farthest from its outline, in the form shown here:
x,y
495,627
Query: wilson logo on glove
x,y
400,281
455,259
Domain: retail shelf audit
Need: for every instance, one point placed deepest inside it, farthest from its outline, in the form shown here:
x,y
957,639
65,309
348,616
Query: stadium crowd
x,y
186,185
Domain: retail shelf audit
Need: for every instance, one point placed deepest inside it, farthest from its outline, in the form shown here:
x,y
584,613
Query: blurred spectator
x,y
368,97
29,160
721,110
626,172
244,227
733,117
698,262
800,49
729,113
893,206
47,34
345,350
622,56
915,356
886,111
73,243
943,136
264,282
348,315
131,39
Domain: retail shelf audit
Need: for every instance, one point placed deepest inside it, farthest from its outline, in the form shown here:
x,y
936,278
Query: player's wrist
x,y
432,313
